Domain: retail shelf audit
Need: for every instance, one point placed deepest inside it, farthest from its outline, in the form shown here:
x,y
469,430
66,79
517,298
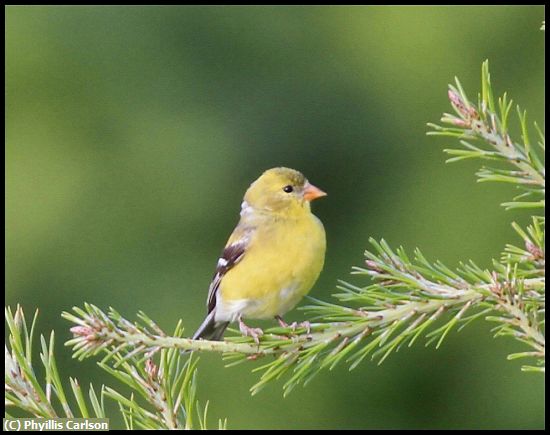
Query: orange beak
x,y
311,192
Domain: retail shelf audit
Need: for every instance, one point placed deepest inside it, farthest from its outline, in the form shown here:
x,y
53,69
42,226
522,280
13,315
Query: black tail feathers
x,y
210,329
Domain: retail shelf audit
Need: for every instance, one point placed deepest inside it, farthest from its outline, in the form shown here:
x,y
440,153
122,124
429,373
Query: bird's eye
x,y
288,188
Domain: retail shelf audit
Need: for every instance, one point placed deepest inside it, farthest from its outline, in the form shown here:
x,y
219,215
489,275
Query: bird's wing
x,y
232,254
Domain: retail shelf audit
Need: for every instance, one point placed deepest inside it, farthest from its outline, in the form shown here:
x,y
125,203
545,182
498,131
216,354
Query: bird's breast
x,y
281,265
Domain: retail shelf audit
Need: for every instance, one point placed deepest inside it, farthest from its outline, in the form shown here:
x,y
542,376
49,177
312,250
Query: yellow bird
x,y
272,258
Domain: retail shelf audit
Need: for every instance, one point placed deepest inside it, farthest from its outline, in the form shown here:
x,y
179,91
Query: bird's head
x,y
282,190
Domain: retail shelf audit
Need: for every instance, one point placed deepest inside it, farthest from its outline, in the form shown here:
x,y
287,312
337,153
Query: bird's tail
x,y
210,329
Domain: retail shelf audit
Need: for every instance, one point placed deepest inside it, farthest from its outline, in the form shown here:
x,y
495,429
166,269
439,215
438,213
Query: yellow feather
x,y
282,262
273,257
285,251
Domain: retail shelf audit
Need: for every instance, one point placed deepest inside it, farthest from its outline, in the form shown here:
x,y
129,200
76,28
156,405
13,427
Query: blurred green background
x,y
133,132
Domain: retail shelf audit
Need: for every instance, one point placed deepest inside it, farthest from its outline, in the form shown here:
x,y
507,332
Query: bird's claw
x,y
294,325
247,331
305,324
281,322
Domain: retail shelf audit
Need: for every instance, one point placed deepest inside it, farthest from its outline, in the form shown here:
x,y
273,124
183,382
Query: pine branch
x,y
23,390
166,390
299,346
97,331
407,299
483,132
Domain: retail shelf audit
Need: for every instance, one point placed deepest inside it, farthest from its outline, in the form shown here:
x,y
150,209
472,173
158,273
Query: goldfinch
x,y
272,258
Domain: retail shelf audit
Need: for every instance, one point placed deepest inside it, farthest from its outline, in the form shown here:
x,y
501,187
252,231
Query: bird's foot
x,y
305,324
294,325
283,324
247,331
